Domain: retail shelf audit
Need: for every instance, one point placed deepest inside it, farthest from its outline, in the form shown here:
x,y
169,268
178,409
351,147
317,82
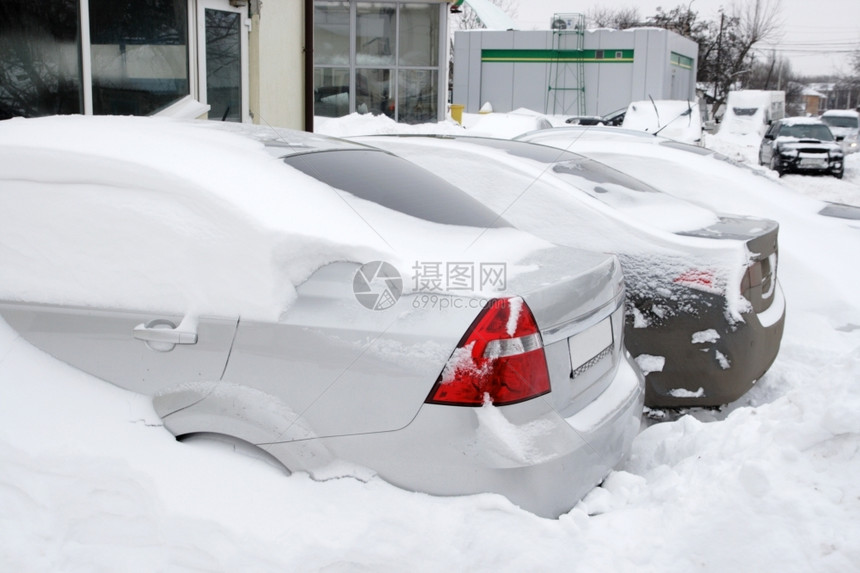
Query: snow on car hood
x,y
789,142
158,214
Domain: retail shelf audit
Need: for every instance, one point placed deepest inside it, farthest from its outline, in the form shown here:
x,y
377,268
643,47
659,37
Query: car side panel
x,y
102,343
329,366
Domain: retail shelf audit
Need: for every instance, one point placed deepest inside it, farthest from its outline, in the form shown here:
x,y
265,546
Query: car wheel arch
x,y
238,412
774,164
236,445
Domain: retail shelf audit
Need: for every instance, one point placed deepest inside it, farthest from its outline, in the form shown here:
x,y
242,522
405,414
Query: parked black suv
x,y
801,144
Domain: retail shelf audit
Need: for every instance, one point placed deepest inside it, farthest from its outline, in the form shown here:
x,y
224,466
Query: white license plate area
x,y
813,162
589,343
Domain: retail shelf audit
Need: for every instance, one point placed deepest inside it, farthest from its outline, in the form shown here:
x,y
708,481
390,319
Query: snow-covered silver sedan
x,y
705,312
328,302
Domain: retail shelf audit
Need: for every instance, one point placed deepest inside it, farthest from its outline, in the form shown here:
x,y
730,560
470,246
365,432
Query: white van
x,y
749,112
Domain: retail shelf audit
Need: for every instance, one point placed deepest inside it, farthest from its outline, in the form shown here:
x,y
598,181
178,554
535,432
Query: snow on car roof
x,y
159,214
841,113
800,121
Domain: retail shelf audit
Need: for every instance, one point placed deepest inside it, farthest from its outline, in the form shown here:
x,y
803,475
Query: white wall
x,y
277,64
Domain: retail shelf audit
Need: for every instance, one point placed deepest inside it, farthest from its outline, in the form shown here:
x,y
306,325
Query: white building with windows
x,y
246,60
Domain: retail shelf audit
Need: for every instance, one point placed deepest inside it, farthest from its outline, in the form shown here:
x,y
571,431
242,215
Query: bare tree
x,y
725,55
467,19
617,18
738,32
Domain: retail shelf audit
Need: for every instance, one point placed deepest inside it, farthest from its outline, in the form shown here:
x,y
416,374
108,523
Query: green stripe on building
x,y
681,61
559,56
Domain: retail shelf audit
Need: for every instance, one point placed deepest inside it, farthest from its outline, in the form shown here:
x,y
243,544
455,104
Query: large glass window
x,y
417,92
419,35
391,54
331,49
139,54
331,92
373,93
331,33
40,58
223,65
375,39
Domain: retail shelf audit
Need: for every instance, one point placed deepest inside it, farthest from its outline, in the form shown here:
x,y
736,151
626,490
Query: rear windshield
x,y
602,180
686,147
541,153
591,176
742,111
396,184
841,121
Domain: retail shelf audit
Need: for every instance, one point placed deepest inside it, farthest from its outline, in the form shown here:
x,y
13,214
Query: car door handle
x,y
164,331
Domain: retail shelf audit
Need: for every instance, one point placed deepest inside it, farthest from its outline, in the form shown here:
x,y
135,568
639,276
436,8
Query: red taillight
x,y
701,280
500,357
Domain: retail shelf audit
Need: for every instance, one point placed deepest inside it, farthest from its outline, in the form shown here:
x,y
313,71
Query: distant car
x,y
801,145
845,126
508,124
613,119
705,312
218,268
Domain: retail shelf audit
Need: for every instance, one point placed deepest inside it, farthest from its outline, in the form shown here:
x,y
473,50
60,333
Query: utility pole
x,y
717,79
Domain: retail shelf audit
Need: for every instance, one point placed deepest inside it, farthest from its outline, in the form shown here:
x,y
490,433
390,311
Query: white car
x,y
845,125
261,284
680,120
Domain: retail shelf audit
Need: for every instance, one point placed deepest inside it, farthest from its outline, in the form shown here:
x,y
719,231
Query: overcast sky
x,y
816,34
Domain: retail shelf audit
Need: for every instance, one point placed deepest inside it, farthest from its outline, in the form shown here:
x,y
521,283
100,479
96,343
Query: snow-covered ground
x,y
89,480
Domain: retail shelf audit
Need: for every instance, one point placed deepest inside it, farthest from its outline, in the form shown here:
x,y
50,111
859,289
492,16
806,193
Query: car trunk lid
x,y
577,301
761,238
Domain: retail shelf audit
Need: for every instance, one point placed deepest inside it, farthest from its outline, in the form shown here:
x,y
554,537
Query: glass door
x,y
222,59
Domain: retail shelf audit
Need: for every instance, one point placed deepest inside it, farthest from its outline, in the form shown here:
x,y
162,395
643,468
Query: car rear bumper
x,y
527,452
708,366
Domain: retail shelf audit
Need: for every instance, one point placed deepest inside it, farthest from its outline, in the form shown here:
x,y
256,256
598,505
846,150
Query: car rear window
x,y
686,147
396,184
567,163
600,176
533,151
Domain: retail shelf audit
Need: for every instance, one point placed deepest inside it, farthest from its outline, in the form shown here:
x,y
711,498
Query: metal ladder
x,y
566,72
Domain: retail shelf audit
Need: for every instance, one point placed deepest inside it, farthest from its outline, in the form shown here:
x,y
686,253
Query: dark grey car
x,y
801,145
705,313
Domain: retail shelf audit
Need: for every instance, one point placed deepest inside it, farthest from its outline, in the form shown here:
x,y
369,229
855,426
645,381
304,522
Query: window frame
x,y
86,53
396,67
194,44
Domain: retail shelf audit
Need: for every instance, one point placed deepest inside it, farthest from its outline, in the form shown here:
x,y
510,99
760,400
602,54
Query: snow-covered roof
x,y
841,113
160,214
808,91
801,120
